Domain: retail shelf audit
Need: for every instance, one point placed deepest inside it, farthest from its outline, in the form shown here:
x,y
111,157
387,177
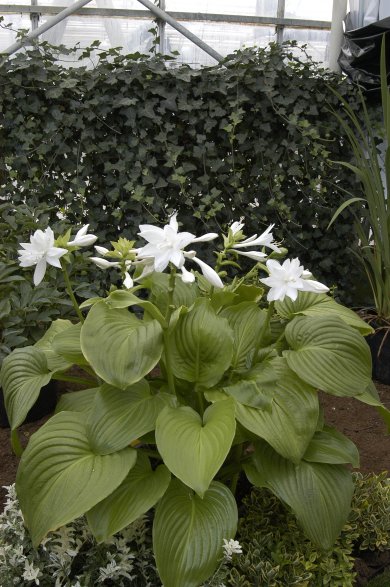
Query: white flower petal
x,y
237,226
187,276
313,286
209,273
101,250
255,255
173,222
40,271
103,263
128,282
210,236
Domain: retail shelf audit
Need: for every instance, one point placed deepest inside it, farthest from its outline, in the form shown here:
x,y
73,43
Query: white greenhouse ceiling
x,y
225,25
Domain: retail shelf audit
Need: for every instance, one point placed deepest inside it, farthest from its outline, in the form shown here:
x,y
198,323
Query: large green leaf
x,y
120,347
194,450
292,420
247,321
184,294
256,387
188,533
67,344
125,299
140,491
329,354
60,477
319,494
55,362
118,417
77,401
313,304
23,374
201,345
330,446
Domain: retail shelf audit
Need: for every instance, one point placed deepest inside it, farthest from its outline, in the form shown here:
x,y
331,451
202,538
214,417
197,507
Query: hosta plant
x,y
187,381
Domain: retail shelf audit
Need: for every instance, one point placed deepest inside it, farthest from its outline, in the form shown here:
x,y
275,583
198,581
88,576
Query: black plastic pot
x,y
379,343
45,404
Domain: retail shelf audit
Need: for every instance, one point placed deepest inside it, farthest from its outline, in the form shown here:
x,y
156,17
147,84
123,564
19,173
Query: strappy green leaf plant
x,y
372,220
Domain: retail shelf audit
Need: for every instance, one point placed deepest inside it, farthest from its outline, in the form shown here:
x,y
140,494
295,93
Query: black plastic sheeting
x,y
360,53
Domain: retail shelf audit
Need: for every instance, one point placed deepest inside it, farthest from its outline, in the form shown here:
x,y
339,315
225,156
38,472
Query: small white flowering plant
x,y
188,380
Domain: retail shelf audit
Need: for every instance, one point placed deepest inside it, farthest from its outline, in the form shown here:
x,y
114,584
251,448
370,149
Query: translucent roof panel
x,y
224,38
132,32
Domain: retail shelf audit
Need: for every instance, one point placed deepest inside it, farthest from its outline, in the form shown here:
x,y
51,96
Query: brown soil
x,y
360,422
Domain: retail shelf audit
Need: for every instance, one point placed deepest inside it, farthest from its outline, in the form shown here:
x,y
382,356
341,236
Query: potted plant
x,y
210,380
372,220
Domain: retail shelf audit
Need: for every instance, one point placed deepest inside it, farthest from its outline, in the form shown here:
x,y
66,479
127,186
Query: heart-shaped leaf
x,y
201,345
60,477
55,362
184,294
256,388
313,304
329,354
77,401
194,450
119,417
67,345
247,321
125,299
140,491
134,345
330,446
188,533
319,494
23,374
291,421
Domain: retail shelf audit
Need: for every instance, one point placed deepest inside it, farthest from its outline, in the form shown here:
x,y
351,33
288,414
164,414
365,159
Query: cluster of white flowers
x,y
231,547
70,556
40,251
167,245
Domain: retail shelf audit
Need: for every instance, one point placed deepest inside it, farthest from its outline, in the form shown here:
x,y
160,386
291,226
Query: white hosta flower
x,y
40,251
101,250
266,239
289,278
82,239
209,273
103,263
235,227
231,547
166,244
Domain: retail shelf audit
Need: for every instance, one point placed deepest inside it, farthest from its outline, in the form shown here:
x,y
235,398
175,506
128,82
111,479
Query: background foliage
x,y
132,139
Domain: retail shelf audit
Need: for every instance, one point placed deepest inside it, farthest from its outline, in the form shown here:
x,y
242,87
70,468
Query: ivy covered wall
x,y
133,138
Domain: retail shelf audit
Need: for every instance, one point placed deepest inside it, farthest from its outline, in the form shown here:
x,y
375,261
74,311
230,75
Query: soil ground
x,y
360,422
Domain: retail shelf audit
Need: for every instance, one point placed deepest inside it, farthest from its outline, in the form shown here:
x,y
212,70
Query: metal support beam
x,y
34,16
280,14
45,26
181,29
181,16
161,31
336,33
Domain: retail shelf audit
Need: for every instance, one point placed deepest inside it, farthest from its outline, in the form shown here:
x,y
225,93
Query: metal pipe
x,y
45,26
34,16
161,30
185,16
181,29
336,33
280,14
